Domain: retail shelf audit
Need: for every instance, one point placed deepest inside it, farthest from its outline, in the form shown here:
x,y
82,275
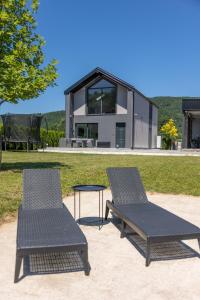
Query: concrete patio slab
x,y
151,152
117,268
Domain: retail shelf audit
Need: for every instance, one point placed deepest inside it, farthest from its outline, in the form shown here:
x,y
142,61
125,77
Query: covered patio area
x,y
191,123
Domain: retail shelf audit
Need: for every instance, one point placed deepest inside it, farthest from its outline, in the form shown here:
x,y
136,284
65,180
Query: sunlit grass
x,y
175,175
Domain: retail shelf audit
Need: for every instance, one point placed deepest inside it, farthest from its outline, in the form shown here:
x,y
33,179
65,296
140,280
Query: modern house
x,y
114,113
191,123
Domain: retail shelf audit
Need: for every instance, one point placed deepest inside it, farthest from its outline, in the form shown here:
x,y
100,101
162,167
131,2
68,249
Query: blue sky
x,y
154,45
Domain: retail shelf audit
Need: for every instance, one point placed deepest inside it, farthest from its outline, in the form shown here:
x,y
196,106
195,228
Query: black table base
x,y
89,220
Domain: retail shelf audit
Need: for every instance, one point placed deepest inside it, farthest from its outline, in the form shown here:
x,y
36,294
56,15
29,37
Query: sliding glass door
x,y
86,130
81,131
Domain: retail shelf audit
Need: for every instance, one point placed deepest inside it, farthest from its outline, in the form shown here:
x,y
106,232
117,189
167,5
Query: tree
x,y
22,72
169,132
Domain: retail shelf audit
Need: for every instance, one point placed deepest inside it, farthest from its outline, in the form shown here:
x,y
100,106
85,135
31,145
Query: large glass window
x,y
87,130
102,98
81,130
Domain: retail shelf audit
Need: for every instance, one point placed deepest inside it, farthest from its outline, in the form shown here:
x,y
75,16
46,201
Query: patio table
x,y
89,188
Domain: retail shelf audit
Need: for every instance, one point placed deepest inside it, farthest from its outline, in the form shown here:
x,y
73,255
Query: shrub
x,y
52,138
169,133
1,129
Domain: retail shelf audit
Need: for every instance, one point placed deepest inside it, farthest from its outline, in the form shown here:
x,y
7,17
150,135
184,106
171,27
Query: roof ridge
x,y
97,70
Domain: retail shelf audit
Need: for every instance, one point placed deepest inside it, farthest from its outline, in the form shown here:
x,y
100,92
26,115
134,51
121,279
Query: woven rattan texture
x,y
165,250
155,221
48,228
41,189
126,186
53,263
159,251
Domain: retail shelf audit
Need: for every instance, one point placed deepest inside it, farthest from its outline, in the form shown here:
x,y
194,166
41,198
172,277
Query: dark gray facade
x,y
191,123
134,123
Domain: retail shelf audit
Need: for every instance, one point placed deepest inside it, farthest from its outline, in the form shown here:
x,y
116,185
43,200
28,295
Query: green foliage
x,y
169,108
1,129
22,71
169,133
173,175
55,120
52,138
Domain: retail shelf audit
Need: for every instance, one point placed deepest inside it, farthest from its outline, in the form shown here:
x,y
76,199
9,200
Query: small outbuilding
x,y
191,122
110,111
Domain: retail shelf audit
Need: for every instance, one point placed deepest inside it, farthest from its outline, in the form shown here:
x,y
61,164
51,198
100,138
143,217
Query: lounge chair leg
x,y
84,254
107,212
122,230
148,254
17,267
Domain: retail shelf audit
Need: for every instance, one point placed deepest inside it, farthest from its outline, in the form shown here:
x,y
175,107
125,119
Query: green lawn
x,y
178,175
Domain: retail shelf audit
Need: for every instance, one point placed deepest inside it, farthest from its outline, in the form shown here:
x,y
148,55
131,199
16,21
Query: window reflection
x,y
102,98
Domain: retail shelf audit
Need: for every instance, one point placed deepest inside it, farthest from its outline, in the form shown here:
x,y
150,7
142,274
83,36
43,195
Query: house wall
x,y
154,126
80,101
185,131
69,118
121,107
106,127
130,125
195,128
137,132
141,115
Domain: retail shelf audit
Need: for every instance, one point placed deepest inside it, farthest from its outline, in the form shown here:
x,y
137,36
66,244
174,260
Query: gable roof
x,y
100,72
190,104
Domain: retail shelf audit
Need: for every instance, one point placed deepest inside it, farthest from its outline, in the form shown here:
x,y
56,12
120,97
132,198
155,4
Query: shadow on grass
x,y
19,166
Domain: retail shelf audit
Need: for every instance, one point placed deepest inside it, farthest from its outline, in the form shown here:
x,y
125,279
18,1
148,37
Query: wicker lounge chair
x,y
151,222
45,225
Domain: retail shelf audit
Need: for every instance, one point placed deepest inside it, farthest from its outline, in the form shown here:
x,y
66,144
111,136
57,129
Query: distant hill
x,y
169,107
55,120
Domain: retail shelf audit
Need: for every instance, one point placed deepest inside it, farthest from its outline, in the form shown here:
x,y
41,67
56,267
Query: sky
x,y
152,44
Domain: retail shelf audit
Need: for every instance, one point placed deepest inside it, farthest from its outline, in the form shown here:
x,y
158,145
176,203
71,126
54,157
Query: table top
x,y
89,188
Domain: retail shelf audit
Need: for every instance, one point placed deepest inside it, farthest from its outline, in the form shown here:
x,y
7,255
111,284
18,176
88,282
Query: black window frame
x,y
102,88
87,126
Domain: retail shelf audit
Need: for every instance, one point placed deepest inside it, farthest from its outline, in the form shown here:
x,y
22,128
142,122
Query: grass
x,y
175,175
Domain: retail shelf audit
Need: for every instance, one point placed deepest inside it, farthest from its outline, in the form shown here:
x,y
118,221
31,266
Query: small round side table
x,y
89,188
